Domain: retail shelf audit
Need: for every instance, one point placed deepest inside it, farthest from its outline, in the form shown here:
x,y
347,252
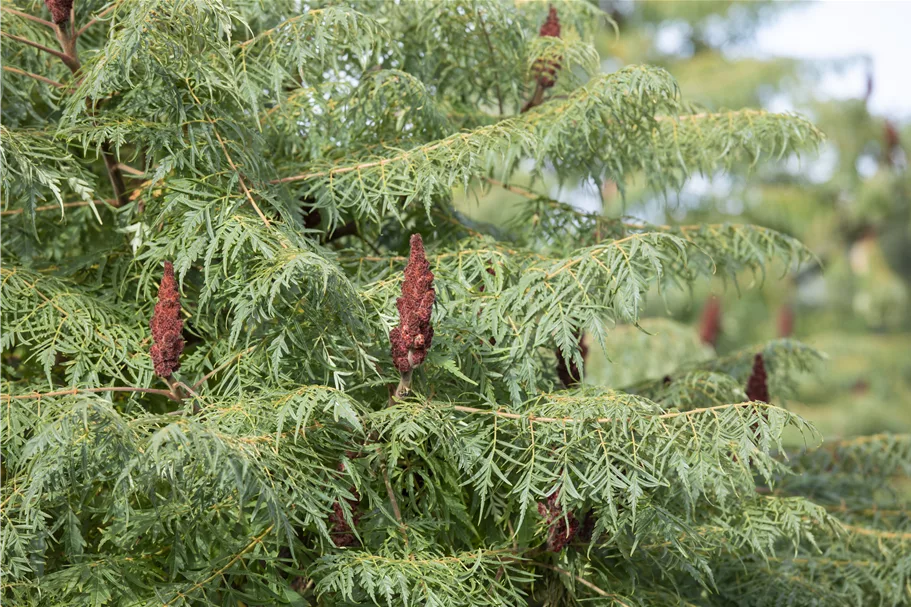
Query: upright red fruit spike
x,y
786,320
570,374
551,26
562,526
710,324
547,70
60,10
412,337
757,385
891,142
167,326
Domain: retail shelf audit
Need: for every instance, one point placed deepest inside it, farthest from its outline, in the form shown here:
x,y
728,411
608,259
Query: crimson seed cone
x,y
340,530
710,324
551,26
547,69
60,10
167,326
412,337
570,374
757,385
785,321
562,526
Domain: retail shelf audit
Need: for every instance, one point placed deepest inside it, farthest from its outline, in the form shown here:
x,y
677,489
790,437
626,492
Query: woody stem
x,y
66,36
404,386
176,391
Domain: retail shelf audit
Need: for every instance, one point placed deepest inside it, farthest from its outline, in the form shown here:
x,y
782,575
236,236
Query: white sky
x,y
834,29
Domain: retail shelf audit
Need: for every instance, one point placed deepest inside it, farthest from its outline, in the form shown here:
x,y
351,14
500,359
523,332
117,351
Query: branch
x,y
462,137
493,58
256,540
601,420
234,168
220,367
530,194
62,56
114,175
581,580
65,205
95,19
892,535
536,99
27,16
347,229
53,83
395,504
72,391
128,169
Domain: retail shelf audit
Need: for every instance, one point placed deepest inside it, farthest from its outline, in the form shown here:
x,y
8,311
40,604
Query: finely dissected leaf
x,y
280,155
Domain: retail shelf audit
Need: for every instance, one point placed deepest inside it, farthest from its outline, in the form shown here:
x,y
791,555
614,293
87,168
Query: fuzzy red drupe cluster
x,y
412,337
167,326
570,374
710,324
60,10
757,385
786,320
562,526
341,531
547,70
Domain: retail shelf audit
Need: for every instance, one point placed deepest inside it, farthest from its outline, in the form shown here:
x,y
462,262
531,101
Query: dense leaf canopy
x,y
281,155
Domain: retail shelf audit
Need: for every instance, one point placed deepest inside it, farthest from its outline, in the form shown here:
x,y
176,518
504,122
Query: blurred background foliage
x,y
851,204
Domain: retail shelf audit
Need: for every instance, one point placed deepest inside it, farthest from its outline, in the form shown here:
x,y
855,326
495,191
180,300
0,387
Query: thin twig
x,y
39,20
66,205
53,83
493,58
451,140
579,579
395,504
234,168
73,391
601,420
128,169
62,56
530,194
256,540
221,366
95,19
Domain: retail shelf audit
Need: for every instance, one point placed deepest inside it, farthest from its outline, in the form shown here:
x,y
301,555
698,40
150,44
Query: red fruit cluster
x,y
570,374
563,526
710,324
342,533
167,326
412,337
60,10
547,70
785,321
757,385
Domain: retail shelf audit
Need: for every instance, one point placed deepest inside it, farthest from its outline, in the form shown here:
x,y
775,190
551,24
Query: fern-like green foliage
x,y
280,155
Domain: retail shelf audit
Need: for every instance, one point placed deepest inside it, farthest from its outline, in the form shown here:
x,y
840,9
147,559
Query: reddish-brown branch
x,y
95,19
53,83
221,366
601,420
73,391
579,579
66,205
114,175
62,56
32,18
490,50
66,37
392,500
